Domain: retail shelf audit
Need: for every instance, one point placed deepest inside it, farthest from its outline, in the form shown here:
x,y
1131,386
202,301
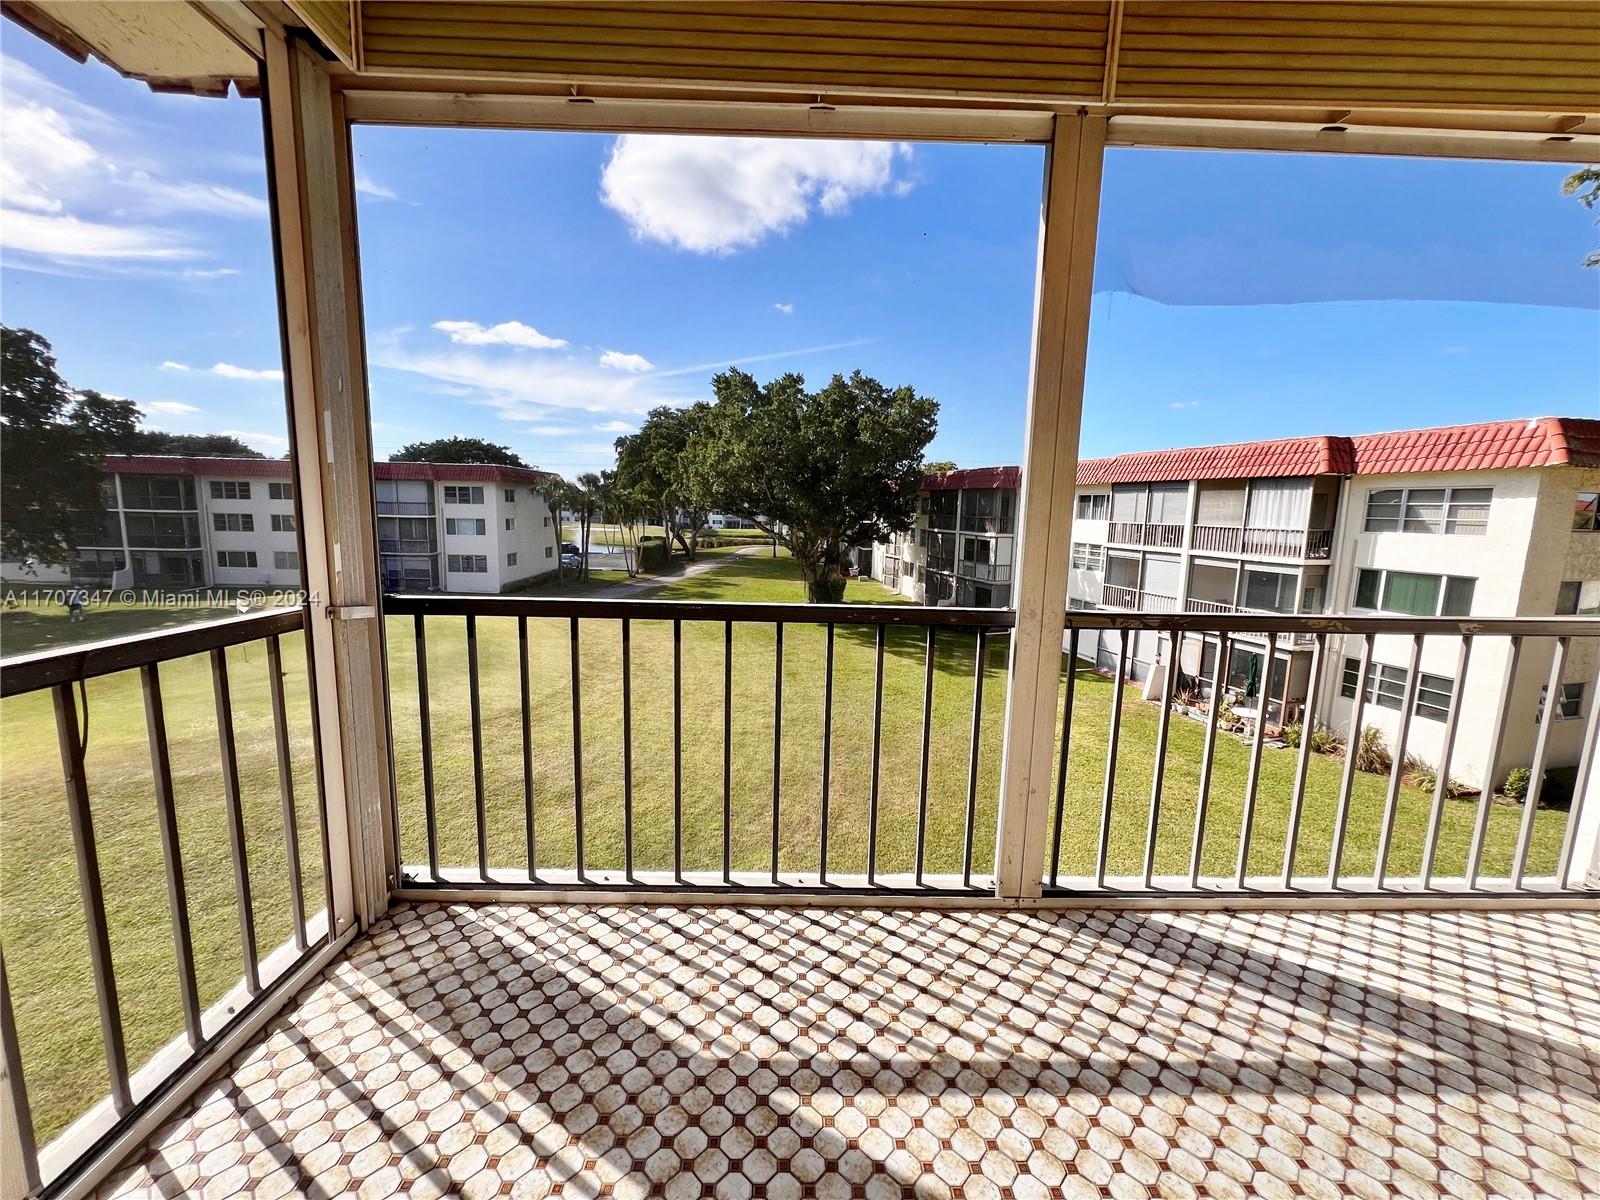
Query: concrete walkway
x,y
631,588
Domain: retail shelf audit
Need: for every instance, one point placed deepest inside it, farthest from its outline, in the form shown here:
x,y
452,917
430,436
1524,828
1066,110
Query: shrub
x,y
1516,784
1323,739
1371,754
1426,778
653,553
1291,734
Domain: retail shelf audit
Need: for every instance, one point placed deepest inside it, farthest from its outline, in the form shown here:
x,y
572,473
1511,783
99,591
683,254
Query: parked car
x,y
570,548
571,561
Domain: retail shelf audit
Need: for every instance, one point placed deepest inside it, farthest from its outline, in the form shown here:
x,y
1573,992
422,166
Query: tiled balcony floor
x,y
638,1051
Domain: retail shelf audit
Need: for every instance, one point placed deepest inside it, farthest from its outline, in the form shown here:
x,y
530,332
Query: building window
x,y
511,559
280,491
467,564
511,523
1428,510
549,551
233,522
461,494
511,495
1088,557
1586,512
1386,687
466,526
157,492
1094,507
236,558
1578,598
285,560
282,522
547,522
1571,706
230,489
1414,594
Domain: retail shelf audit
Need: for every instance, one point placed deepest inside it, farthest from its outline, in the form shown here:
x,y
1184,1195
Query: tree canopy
x,y
195,445
653,472
458,450
53,440
821,470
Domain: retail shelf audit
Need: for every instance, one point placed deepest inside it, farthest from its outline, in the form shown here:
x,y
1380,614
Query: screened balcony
x,y
498,895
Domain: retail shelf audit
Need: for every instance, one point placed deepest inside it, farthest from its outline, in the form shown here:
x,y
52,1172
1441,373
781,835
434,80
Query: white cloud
x,y
369,186
61,236
229,371
786,309
715,195
168,408
614,427
619,361
1180,404
169,365
507,333
78,189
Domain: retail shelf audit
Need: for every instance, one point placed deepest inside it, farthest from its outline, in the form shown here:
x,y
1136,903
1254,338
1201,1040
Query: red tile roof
x,y
1492,445
278,468
973,479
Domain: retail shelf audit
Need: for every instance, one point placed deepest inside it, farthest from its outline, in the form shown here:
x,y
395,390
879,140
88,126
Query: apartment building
x,y
229,522
1494,519
960,550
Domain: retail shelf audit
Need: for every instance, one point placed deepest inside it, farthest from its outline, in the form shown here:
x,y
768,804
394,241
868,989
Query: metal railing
x,y
1114,595
1164,536
588,623
1321,830
991,571
64,673
1218,539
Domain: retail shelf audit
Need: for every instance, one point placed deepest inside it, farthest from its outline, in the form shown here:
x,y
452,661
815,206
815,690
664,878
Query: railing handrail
x,y
68,664
456,604
1241,621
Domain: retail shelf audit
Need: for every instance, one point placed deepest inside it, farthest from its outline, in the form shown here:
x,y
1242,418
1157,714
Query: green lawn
x,y
30,627
41,923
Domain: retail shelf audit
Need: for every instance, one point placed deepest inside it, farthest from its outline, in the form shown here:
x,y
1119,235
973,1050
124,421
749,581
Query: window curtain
x,y
1128,502
1279,503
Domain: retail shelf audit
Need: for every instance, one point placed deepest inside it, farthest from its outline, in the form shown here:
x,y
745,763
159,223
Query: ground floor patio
x,y
786,1052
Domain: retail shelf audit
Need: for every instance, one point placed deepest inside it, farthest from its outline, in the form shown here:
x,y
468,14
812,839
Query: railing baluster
x,y
1347,778
1219,675
1104,846
1441,784
979,654
827,756
89,889
1066,749
627,749
1480,822
1302,765
424,719
727,752
236,840
1541,751
291,824
171,855
677,750
927,745
777,743
577,757
480,814
877,757
1582,788
16,1129
526,683
1252,780
1391,799
1163,721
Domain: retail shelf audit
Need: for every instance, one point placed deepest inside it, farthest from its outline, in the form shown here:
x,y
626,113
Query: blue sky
x,y
544,289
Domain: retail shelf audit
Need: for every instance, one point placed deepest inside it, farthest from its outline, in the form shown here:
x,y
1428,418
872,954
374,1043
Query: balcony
x,y
1117,596
989,571
603,760
1137,533
1296,544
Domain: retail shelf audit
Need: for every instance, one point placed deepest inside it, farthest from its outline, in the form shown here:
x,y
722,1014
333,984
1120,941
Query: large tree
x,y
458,450
654,469
53,440
1585,185
819,471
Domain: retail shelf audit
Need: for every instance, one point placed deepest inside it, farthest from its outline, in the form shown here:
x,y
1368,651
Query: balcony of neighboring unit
x,y
1114,595
992,572
1165,536
407,546
405,508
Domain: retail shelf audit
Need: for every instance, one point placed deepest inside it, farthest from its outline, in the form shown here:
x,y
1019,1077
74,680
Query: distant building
x,y
1494,519
229,522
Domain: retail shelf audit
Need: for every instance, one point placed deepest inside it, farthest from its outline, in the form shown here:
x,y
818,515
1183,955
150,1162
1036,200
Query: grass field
x,y
30,627
41,923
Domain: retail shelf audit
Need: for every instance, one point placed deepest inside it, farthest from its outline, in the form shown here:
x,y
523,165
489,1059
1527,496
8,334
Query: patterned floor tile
x,y
482,1051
